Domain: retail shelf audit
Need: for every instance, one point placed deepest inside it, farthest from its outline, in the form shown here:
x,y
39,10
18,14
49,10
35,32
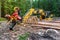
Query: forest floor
x,y
6,34
19,29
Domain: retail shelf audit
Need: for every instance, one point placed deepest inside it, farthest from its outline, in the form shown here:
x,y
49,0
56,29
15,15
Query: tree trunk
x,y
2,8
0,12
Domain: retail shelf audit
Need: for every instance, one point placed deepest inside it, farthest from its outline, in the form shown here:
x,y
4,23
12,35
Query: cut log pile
x,y
35,22
32,19
49,25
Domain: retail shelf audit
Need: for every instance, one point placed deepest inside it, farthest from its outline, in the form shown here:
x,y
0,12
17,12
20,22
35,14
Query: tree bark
x,y
0,9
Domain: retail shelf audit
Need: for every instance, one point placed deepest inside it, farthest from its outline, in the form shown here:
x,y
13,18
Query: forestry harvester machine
x,y
34,16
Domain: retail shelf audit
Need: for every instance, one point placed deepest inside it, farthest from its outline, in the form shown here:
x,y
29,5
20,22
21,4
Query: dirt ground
x,y
6,34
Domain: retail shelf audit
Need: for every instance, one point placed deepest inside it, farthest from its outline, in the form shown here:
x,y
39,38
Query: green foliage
x,y
24,37
48,5
2,19
8,6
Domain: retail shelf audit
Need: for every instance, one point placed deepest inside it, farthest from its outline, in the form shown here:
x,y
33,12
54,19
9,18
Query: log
x,y
49,24
45,27
57,21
